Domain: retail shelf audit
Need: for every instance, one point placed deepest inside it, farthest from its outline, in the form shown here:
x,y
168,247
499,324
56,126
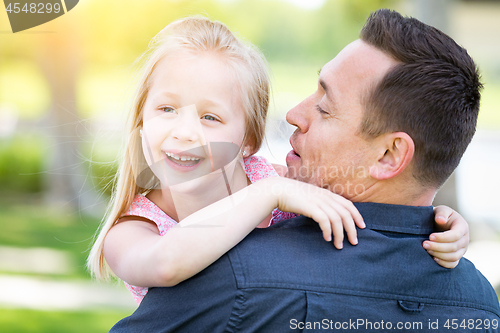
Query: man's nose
x,y
298,116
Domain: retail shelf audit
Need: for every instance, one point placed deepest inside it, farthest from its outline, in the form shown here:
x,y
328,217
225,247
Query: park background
x,y
64,91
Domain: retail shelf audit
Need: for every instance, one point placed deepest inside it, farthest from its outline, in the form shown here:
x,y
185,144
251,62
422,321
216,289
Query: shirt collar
x,y
397,218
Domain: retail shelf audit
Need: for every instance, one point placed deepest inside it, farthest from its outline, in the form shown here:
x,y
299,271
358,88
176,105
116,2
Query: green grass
x,y
31,225
26,321
37,226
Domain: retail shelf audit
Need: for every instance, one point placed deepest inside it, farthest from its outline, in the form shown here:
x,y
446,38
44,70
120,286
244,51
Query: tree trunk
x,y
65,180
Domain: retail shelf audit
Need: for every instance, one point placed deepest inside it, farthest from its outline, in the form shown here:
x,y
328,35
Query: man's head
x,y
401,106
432,94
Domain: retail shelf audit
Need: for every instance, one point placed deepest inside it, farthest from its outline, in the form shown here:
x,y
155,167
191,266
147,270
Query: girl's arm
x,y
449,246
138,255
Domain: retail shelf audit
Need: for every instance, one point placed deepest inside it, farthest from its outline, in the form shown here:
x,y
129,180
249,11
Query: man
x,y
391,118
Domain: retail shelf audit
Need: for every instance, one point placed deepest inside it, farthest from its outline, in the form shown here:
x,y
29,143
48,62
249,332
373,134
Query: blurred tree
x,y
58,58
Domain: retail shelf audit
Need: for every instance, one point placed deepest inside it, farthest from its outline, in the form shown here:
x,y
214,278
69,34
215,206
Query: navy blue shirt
x,y
287,278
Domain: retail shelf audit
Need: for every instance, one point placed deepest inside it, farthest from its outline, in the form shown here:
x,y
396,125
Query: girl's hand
x,y
449,246
332,212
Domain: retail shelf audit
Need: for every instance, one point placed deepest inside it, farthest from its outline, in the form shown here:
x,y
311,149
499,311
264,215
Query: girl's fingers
x,y
444,247
460,245
447,256
338,232
463,242
353,211
334,225
334,214
442,214
350,229
341,220
323,221
449,236
446,264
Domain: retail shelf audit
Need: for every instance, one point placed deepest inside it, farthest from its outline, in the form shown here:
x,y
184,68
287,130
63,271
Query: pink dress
x,y
256,168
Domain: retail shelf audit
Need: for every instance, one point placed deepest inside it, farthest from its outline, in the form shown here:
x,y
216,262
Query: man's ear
x,y
395,152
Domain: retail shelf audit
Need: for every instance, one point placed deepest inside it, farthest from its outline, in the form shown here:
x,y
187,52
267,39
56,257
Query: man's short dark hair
x,y
432,94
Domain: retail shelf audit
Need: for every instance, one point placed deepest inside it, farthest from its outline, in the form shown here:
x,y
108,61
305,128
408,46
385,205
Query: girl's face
x,y
194,121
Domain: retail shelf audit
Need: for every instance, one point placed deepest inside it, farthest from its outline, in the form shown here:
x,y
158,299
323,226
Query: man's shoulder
x,y
382,265
468,282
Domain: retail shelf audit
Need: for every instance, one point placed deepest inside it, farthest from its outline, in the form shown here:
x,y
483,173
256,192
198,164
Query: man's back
x,y
287,278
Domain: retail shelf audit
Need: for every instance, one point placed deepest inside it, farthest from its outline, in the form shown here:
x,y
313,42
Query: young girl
x,y
189,187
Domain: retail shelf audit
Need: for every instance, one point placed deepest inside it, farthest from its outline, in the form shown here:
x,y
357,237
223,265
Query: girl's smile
x,y
183,161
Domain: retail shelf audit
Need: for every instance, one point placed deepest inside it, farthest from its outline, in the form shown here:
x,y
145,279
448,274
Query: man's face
x,y
328,150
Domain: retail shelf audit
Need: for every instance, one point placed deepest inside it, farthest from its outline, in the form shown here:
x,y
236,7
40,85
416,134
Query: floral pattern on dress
x,y
279,216
256,168
143,207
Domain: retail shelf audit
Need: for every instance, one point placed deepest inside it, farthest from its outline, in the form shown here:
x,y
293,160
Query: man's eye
x,y
167,109
209,117
321,110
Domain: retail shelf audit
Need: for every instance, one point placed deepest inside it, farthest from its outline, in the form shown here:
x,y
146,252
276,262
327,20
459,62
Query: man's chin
x,y
292,172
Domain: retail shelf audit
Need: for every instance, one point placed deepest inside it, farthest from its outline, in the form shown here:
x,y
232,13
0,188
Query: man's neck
x,y
396,193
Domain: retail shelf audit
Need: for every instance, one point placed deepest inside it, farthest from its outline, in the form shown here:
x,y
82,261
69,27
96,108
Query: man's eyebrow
x,y
329,96
325,87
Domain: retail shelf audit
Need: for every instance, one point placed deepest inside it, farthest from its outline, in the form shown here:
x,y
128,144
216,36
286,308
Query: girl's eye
x,y
209,117
167,109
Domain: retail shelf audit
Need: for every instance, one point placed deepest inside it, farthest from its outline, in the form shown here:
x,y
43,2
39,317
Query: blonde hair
x,y
195,35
